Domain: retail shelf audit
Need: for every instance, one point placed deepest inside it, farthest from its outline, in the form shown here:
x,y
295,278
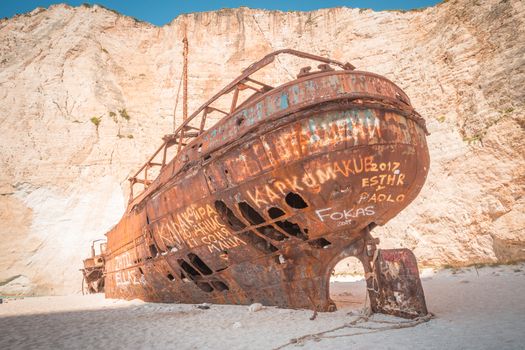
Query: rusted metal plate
x,y
261,206
93,271
397,289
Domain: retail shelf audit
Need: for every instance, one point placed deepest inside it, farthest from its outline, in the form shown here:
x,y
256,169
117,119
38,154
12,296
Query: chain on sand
x,y
360,322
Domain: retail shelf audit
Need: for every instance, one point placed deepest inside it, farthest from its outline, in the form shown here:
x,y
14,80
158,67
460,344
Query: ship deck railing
x,y
188,130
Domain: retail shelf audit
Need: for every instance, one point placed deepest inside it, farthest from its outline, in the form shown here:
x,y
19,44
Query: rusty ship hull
x,y
261,206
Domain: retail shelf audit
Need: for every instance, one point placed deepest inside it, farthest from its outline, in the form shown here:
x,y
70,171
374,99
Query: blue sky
x,y
160,12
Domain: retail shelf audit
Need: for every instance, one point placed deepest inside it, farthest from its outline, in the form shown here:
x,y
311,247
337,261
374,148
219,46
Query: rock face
x,y
87,93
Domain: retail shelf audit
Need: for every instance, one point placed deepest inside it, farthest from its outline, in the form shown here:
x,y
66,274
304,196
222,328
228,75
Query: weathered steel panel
x,y
397,288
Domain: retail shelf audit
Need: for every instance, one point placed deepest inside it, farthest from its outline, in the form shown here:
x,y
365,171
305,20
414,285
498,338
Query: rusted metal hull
x,y
264,204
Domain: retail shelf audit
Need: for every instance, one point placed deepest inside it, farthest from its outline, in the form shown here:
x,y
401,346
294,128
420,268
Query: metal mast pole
x,y
185,78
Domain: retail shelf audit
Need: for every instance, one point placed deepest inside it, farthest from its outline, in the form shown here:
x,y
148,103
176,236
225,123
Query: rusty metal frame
x,y
185,133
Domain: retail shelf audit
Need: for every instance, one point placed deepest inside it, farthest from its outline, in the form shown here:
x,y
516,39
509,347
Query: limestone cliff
x,y
86,94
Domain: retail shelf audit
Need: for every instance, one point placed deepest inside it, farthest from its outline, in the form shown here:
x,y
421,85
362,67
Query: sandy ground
x,y
474,309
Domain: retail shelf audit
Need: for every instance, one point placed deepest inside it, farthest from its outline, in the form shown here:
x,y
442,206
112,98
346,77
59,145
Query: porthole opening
x,y
292,229
289,227
190,271
220,286
275,212
153,250
228,216
295,201
199,264
250,214
254,218
205,287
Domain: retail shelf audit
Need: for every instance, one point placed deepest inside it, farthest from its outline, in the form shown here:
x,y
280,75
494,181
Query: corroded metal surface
x,y
396,288
261,206
93,271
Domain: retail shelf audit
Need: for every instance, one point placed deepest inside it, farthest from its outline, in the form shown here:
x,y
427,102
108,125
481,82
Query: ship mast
x,y
183,81
185,78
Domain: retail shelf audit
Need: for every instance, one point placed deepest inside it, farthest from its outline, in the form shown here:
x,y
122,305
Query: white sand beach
x,y
474,309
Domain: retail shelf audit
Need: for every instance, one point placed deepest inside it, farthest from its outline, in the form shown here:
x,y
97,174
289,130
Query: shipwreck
x,y
261,206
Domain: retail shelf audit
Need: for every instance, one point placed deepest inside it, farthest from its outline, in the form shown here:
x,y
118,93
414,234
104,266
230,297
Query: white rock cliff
x,y
65,69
